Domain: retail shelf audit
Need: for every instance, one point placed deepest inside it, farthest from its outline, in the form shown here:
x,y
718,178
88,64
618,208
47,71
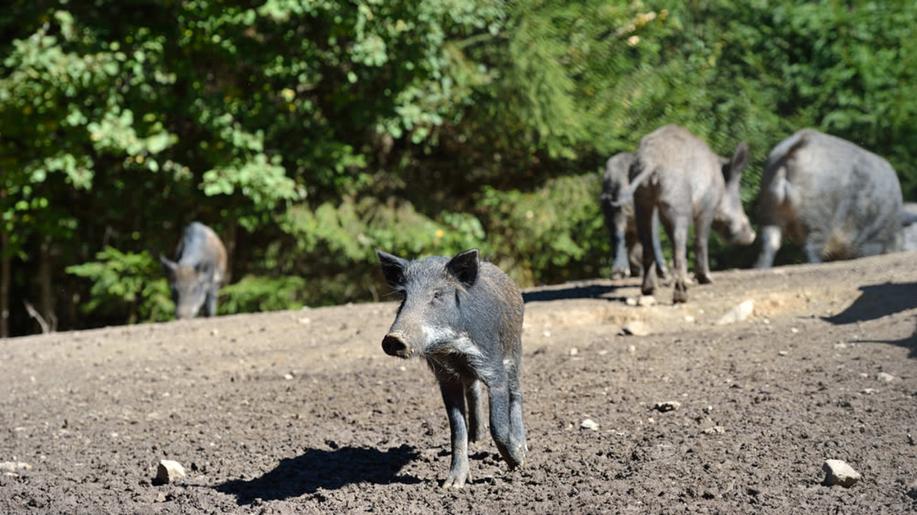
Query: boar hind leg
x,y
498,387
644,215
454,398
474,395
661,269
518,447
677,227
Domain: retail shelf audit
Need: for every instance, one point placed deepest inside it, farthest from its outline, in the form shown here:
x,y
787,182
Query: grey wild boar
x,y
677,174
618,207
464,317
198,271
835,199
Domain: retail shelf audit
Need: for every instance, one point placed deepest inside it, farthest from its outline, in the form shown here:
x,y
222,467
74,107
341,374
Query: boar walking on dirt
x,y
618,207
834,198
464,317
677,174
198,271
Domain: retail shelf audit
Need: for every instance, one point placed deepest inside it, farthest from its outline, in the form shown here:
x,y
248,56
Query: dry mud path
x,y
301,412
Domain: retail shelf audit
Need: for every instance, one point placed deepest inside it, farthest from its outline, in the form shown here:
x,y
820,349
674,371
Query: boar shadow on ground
x,y
325,469
585,291
877,301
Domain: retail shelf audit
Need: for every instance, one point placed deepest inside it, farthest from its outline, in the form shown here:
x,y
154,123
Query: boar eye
x,y
437,295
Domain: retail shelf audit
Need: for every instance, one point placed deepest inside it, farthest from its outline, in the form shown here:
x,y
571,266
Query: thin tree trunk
x,y
5,277
46,286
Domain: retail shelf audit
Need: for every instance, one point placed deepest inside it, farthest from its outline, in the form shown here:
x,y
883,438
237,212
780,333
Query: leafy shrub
x,y
126,284
258,293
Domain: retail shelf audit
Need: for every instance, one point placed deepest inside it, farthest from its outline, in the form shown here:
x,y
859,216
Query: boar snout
x,y
393,345
747,237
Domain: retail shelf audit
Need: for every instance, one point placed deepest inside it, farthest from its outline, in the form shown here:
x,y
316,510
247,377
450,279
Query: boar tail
x,y
626,195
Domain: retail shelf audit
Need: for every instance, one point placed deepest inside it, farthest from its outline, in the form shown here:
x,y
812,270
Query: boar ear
x,y
392,268
738,162
167,265
464,267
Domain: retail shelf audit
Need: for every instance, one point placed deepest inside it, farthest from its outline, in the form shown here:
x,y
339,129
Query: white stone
x,y
739,313
589,424
169,471
631,301
574,351
646,301
14,467
838,472
885,376
635,328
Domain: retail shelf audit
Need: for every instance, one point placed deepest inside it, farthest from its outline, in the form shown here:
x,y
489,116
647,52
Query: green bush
x,y
254,293
125,284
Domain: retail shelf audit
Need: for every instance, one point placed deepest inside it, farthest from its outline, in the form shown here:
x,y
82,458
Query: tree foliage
x,y
310,133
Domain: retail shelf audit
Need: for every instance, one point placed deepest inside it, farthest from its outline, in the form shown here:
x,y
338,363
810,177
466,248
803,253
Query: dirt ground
x,y
301,412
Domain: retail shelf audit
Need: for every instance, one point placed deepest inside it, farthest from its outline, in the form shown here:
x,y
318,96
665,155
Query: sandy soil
x,y
301,412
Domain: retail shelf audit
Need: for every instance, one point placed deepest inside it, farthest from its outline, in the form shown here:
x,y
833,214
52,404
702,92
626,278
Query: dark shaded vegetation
x,y
307,135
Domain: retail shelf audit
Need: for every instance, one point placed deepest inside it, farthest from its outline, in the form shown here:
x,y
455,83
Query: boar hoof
x,y
456,480
681,293
618,273
704,279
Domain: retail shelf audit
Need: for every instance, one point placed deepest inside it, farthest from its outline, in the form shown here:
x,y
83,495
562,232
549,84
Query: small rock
x,y
715,430
869,391
667,406
690,319
646,301
288,376
794,330
546,333
864,375
635,328
168,472
708,409
840,345
885,376
783,353
589,424
305,320
574,351
739,313
631,349
838,472
631,301
214,332
14,467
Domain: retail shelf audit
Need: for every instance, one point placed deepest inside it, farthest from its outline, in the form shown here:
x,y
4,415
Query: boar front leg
x,y
454,398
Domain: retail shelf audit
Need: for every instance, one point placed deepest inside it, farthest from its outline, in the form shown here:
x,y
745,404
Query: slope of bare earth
x,y
301,412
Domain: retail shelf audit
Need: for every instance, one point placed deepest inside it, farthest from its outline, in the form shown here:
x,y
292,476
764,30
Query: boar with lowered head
x,y
198,271
835,199
618,207
676,173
